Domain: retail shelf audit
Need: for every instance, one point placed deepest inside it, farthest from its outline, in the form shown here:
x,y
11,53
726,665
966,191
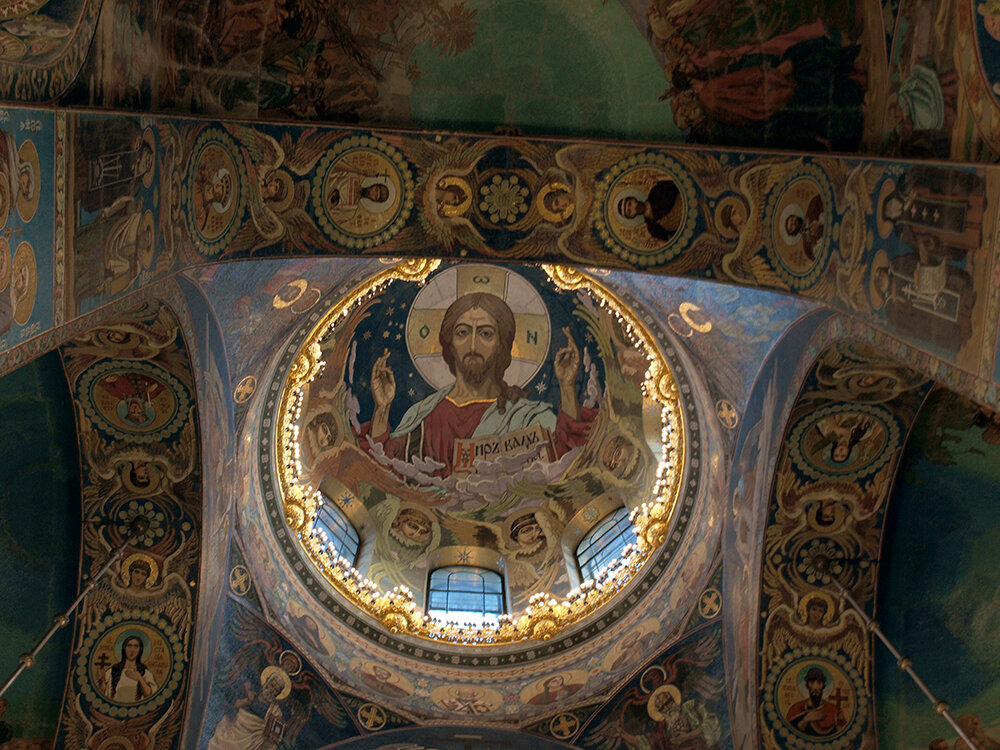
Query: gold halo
x,y
884,224
654,713
286,681
880,261
462,207
551,216
154,569
146,224
437,294
24,256
5,263
147,136
822,596
26,207
300,284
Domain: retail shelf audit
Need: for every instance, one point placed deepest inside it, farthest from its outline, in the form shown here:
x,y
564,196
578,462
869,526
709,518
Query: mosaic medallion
x,y
131,663
137,401
363,192
814,697
844,441
800,216
646,209
213,193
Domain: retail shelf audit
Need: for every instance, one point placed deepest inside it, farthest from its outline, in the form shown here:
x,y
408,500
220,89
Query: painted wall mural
x,y
848,233
40,496
29,257
909,78
43,44
844,438
944,491
265,694
677,700
138,431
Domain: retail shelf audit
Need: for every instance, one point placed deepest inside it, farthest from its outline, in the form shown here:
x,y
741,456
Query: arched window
x,y
337,534
465,594
604,543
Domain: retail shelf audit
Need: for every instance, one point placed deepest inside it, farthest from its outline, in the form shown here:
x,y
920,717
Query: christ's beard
x,y
474,368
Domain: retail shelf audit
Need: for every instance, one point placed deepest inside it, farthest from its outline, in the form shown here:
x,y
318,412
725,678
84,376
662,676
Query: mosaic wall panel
x,y
839,455
132,382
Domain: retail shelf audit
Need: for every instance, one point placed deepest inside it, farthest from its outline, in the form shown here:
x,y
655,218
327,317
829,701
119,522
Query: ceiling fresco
x,y
40,493
949,480
909,78
187,188
131,383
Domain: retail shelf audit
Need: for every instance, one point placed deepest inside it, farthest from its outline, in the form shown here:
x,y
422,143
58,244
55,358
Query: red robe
x,y
448,422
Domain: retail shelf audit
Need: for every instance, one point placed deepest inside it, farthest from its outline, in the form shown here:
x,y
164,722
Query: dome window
x,y
604,543
465,594
335,532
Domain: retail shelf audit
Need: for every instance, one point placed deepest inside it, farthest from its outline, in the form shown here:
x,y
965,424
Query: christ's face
x,y
475,340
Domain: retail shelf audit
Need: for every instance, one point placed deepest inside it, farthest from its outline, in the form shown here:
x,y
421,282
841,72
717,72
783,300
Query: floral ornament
x,y
147,510
820,561
503,199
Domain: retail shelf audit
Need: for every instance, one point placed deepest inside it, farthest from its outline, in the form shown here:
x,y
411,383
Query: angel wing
x,y
165,733
302,153
690,668
754,183
482,533
314,695
257,646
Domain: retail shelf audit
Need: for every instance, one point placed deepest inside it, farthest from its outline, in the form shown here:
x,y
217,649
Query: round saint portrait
x,y
23,283
213,192
363,192
136,399
130,663
816,699
381,678
844,441
800,216
648,209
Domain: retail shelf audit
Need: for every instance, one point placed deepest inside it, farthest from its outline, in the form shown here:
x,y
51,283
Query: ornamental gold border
x,y
544,617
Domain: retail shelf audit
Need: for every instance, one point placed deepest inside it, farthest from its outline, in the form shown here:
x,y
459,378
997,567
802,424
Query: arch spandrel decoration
x,y
598,413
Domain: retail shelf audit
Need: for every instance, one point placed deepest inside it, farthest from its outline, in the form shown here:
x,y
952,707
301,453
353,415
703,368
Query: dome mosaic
x,y
463,418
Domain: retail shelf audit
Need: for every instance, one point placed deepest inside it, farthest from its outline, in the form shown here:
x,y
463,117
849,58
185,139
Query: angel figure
x,y
670,708
744,263
274,716
276,190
